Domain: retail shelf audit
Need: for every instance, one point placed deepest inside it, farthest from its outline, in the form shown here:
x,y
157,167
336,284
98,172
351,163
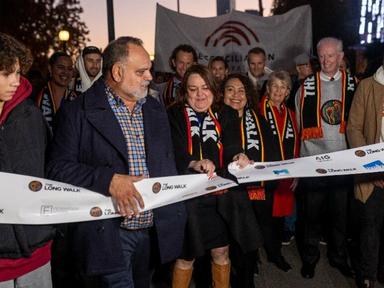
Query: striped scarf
x,y
286,137
204,136
310,105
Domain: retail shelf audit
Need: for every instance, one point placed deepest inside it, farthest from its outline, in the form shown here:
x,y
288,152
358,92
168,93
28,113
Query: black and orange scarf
x,y
204,136
47,105
285,132
170,93
252,142
310,105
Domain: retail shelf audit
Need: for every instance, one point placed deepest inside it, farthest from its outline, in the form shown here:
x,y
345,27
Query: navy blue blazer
x,y
87,149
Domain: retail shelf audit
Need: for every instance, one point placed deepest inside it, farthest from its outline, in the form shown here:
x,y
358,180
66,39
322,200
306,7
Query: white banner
x,y
367,159
232,35
31,200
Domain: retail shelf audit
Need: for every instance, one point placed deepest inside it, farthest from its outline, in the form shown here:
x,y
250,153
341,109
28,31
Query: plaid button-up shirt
x,y
132,126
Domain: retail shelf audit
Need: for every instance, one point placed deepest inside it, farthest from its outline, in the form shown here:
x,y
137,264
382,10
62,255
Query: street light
x,y
64,37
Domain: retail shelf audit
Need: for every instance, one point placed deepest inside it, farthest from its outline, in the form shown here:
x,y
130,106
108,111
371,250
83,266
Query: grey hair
x,y
280,75
337,42
117,51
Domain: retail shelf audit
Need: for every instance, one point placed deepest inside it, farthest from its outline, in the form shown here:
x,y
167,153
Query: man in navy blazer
x,y
108,138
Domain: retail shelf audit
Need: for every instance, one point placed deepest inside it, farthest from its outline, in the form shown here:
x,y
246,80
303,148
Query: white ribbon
x,y
31,200
367,159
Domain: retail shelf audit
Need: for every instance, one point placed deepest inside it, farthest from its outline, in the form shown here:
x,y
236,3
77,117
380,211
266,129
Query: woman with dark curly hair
x,y
25,250
258,144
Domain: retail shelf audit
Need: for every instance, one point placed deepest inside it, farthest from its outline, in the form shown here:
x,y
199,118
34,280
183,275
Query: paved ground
x,y
325,277
271,277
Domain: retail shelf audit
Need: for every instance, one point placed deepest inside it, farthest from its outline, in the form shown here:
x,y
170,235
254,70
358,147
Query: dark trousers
x,y
271,227
371,219
243,267
320,199
136,250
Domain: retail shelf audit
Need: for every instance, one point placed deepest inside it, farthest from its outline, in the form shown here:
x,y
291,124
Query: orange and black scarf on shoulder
x,y
252,142
310,105
288,135
204,136
170,92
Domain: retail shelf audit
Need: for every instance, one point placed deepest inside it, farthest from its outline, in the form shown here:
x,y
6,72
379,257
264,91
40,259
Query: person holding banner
x,y
183,56
322,106
110,137
25,250
366,126
205,138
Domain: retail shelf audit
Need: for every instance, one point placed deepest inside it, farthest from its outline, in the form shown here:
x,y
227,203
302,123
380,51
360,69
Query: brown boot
x,y
220,275
181,277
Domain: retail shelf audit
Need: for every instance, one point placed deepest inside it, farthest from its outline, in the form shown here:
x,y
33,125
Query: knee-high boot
x,y
181,277
220,275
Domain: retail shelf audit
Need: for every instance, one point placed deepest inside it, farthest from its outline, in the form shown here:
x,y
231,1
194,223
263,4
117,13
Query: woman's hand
x,y
203,166
242,160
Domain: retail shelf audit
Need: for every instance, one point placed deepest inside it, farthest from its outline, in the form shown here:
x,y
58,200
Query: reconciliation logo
x,y
233,32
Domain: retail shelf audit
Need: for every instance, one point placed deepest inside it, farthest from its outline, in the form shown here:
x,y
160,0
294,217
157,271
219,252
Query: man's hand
x,y
125,194
203,166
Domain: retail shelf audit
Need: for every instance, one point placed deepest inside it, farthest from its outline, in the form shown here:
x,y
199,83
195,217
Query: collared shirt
x,y
132,126
325,77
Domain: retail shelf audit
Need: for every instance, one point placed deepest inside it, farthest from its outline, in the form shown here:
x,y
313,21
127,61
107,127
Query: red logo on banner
x,y
231,32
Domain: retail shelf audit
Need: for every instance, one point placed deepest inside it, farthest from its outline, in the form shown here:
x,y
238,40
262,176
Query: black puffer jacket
x,y
22,149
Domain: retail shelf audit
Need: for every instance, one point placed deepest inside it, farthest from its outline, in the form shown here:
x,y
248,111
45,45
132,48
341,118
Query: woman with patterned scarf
x,y
205,141
257,143
282,122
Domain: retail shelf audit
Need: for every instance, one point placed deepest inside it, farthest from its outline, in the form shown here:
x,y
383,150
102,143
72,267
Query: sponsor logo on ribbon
x,y
156,187
281,172
95,212
374,165
360,153
35,186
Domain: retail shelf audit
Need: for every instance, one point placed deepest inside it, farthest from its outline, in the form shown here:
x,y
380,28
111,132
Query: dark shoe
x,y
344,269
308,270
287,238
380,274
282,264
366,283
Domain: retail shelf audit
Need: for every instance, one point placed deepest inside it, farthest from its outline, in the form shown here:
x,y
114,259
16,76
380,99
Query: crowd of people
x,y
112,125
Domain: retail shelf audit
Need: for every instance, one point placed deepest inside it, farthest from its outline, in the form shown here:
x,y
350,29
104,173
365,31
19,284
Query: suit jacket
x,y
364,128
88,148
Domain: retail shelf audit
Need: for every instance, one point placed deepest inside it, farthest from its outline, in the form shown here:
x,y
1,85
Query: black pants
x,y
320,199
371,219
243,266
271,227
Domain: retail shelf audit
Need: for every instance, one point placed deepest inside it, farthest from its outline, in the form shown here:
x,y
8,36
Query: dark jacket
x,y
87,149
22,150
234,206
